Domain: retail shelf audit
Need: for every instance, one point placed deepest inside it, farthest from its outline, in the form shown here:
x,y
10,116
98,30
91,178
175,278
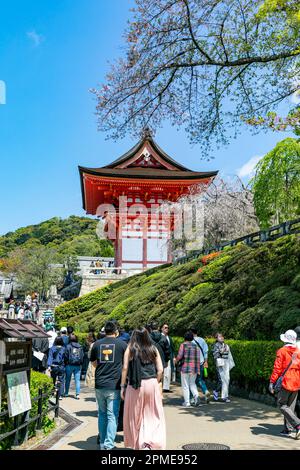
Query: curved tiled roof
x,y
174,171
138,146
147,173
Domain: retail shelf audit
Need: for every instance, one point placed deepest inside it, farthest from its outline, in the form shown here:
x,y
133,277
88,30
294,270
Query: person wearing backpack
x,y
202,345
56,365
285,382
73,360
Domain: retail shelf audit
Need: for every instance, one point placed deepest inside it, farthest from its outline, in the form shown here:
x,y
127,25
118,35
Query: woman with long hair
x,y
224,363
144,421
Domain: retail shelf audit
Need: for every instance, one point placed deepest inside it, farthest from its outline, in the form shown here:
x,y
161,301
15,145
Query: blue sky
x,y
51,53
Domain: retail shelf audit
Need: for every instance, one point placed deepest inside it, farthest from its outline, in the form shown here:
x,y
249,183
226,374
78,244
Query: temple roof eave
x,y
146,173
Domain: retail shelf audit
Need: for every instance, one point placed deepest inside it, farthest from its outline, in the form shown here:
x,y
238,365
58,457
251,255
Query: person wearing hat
x,y
64,336
297,329
287,369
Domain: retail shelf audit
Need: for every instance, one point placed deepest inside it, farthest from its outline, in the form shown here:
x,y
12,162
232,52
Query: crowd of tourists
x,y
131,372
97,267
25,310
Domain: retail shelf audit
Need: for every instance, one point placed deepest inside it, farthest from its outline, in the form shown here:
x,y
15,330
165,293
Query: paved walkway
x,y
241,424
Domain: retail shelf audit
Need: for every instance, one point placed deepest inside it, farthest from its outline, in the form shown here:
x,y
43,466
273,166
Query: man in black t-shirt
x,y
161,343
107,356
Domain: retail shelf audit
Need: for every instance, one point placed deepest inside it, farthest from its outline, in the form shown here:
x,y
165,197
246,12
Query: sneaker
x,y
186,405
285,432
226,400
216,395
167,391
197,401
297,435
60,398
77,397
207,397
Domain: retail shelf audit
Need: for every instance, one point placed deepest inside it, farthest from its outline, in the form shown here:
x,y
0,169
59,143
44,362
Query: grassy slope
x,y
248,293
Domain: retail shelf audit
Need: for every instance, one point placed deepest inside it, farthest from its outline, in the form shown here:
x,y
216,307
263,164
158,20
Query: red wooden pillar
x,y
145,230
118,243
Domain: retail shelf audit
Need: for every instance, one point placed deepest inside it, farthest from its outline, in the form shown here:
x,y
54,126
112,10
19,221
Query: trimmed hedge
x,y
249,293
253,362
37,381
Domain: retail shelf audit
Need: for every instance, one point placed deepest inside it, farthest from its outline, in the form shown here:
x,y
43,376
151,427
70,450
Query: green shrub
x,y
253,362
40,381
37,381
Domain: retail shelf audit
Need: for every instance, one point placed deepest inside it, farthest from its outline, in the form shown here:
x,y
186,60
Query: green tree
x,y
274,8
34,269
74,236
276,185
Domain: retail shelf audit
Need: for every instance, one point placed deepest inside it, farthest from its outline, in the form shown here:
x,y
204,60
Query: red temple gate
x,y
129,192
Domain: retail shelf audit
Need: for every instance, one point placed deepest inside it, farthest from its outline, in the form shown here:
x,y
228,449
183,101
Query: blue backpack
x,y
58,354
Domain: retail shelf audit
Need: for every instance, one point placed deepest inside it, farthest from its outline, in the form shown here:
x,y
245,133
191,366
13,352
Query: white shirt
x,y
52,335
21,313
167,336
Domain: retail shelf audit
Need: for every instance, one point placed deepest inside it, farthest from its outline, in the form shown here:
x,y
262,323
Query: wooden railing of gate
x,y
286,228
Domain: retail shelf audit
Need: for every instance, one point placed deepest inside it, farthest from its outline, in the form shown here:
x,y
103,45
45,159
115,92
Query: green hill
x,y
71,236
246,292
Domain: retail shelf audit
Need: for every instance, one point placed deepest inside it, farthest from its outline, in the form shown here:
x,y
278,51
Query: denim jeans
x,y
108,414
58,376
200,382
76,371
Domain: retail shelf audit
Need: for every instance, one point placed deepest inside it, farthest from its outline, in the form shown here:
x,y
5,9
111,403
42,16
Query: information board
x,y
18,393
18,355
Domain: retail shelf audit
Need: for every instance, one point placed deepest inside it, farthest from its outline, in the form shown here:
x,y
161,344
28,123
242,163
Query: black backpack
x,y
75,355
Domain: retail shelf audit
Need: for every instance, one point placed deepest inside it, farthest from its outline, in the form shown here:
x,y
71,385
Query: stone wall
x,y
93,282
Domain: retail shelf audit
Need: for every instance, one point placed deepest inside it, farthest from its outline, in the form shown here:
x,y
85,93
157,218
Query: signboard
x,y
17,355
18,393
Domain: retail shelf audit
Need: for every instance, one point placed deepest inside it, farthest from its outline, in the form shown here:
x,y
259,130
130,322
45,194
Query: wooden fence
x,y
21,429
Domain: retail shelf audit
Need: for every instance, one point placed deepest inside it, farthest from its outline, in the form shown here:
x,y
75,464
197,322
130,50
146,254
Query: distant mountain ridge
x,y
73,235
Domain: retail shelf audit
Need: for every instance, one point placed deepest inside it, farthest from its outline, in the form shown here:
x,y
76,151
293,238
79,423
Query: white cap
x,y
63,329
290,336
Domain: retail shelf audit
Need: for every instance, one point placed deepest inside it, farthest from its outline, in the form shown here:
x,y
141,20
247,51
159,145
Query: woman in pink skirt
x,y
144,421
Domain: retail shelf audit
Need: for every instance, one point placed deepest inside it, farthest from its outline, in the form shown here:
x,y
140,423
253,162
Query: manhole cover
x,y
205,446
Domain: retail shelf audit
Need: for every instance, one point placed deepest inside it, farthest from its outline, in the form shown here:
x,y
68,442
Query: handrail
x,y
286,228
116,271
